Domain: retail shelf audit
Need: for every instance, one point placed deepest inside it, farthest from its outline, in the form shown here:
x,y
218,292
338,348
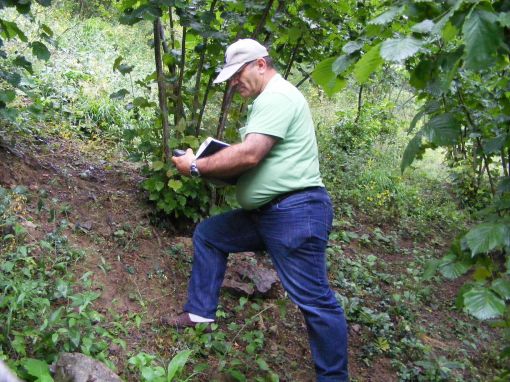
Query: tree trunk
x,y
179,107
196,115
360,103
161,89
204,103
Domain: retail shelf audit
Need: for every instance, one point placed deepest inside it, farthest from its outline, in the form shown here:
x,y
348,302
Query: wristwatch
x,y
193,169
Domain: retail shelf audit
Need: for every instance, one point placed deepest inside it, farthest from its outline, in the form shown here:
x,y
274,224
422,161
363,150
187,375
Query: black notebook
x,y
209,147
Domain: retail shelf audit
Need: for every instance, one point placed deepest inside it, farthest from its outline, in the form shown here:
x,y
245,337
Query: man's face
x,y
247,80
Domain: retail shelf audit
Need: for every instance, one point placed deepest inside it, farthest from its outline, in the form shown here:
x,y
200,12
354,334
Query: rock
x,y
6,375
76,367
247,277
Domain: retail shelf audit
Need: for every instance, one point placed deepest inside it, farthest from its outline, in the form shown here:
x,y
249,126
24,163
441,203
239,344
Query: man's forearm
x,y
228,162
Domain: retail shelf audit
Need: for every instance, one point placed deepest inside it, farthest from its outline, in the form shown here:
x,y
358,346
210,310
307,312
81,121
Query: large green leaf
x,y
442,130
482,36
504,19
39,369
485,237
444,20
368,64
502,287
483,303
424,27
326,78
341,64
495,144
414,147
452,267
387,16
9,29
177,364
399,49
40,51
24,63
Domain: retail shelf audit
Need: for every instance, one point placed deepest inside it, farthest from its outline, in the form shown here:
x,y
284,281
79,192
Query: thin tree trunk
x,y
196,96
204,103
179,108
360,103
172,33
225,107
263,19
503,162
292,58
171,67
161,88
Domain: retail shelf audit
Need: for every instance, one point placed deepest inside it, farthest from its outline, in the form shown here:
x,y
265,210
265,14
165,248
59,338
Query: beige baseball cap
x,y
238,54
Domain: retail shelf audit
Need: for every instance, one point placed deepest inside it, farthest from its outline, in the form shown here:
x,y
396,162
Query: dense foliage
x,y
456,54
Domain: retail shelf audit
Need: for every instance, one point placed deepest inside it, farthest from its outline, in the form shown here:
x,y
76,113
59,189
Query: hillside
x,y
139,265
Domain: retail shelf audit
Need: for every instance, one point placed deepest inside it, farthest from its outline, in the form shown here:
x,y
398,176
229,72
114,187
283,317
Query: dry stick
x,y
251,318
479,144
161,88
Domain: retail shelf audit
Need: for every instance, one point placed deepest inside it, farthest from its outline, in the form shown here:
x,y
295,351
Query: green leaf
x,y
442,22
341,64
153,373
177,363
386,17
414,147
351,47
39,369
495,144
398,49
483,303
424,27
442,130
174,184
158,165
40,51
502,287
7,96
504,19
482,36
46,29
10,30
324,76
120,94
504,186
488,236
24,63
368,64
117,62
452,267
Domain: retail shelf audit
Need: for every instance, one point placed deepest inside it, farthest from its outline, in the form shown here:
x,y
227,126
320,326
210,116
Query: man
x,y
286,210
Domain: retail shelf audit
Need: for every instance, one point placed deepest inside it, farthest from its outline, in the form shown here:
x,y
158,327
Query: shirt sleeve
x,y
272,114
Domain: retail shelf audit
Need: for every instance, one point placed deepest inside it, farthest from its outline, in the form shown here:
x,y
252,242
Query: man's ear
x,y
261,64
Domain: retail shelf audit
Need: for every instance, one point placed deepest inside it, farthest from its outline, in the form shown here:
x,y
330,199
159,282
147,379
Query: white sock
x,y
195,318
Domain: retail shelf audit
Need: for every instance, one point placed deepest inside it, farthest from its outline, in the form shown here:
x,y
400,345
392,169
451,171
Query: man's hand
x,y
183,162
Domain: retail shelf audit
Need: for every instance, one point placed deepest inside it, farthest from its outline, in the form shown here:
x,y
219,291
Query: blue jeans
x,y
294,232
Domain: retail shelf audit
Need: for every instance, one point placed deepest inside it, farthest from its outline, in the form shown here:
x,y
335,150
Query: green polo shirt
x,y
280,111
